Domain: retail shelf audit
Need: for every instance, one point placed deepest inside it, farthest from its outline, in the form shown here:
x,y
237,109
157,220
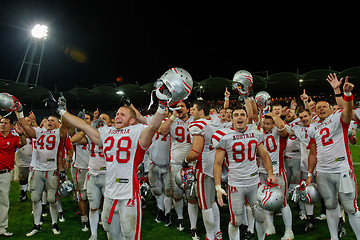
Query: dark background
x,y
138,41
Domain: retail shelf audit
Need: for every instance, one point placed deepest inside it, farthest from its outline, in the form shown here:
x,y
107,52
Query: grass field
x,y
21,220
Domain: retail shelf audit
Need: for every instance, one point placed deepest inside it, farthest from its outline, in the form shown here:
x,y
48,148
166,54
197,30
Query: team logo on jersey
x,y
233,189
131,202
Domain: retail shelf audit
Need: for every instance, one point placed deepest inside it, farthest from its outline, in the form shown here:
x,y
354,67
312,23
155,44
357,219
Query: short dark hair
x,y
301,110
241,107
11,119
203,105
268,117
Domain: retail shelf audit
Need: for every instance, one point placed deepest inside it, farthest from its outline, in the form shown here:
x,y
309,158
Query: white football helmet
x,y
309,192
174,86
185,178
270,196
9,103
263,100
243,82
66,188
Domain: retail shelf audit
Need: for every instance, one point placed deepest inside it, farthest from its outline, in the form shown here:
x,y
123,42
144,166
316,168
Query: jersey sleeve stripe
x,y
196,125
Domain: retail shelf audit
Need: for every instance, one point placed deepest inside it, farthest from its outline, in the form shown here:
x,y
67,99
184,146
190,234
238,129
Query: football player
x,y
240,145
330,154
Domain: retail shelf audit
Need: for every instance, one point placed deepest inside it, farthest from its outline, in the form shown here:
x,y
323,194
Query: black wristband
x,y
339,95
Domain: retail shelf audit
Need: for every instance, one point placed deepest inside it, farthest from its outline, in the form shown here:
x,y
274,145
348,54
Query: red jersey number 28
x,y
123,146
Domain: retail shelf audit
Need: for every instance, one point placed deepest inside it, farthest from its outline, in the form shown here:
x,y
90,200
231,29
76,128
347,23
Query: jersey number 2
x,y
325,133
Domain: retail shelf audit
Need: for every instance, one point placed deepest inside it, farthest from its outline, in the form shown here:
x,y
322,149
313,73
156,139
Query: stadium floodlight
x,y
39,31
120,92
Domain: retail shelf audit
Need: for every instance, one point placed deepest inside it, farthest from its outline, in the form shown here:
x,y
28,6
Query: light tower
x,y
31,63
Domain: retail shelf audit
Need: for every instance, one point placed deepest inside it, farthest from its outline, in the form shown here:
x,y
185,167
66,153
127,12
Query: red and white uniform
x,y
97,163
159,150
205,128
241,150
332,144
300,131
46,149
180,140
123,154
275,146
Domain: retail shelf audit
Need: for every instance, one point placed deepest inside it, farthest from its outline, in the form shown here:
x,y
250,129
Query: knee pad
x,y
35,196
168,192
238,220
259,213
156,191
331,203
51,197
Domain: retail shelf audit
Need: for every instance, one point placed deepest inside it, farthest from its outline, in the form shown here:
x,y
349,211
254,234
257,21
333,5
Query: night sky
x,y
94,42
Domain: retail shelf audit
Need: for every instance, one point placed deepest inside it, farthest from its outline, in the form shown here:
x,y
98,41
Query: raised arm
x,y
227,98
148,133
93,134
335,84
30,132
346,114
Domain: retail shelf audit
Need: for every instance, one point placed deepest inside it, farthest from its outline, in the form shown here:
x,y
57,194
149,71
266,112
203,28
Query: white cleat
x,y
289,235
270,230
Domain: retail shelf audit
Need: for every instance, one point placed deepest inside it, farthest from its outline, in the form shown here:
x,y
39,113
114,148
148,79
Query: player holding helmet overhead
x,y
124,146
241,144
330,153
47,168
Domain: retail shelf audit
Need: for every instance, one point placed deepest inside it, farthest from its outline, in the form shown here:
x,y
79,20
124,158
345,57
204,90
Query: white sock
x,y
94,221
251,219
287,216
332,218
193,210
245,218
354,220
59,204
37,209
209,223
179,207
216,213
261,229
309,209
160,202
234,232
23,187
269,217
54,212
167,204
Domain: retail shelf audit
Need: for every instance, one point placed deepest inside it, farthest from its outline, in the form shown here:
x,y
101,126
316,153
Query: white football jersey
x,y
300,131
81,156
97,163
159,150
46,149
240,148
205,128
292,151
24,154
332,144
180,140
275,145
123,154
